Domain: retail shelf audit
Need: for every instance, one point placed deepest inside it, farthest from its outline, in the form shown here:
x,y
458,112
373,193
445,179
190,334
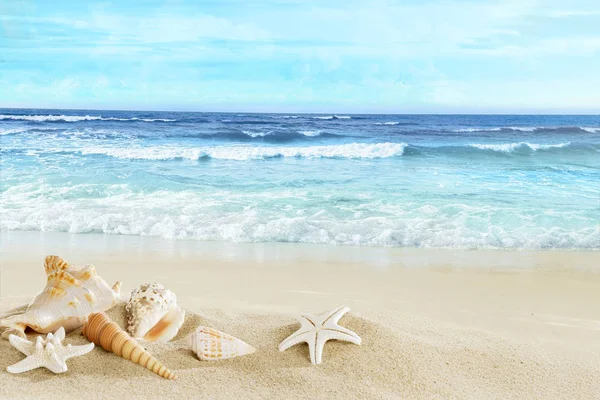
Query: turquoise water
x,y
377,180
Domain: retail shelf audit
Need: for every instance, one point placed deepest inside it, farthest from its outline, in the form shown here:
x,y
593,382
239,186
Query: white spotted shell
x,y
153,313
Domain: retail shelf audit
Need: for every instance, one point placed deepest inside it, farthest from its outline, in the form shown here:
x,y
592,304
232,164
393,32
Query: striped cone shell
x,y
210,344
102,331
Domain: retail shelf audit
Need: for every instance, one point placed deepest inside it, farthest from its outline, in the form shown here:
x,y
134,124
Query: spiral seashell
x,y
153,313
102,331
69,296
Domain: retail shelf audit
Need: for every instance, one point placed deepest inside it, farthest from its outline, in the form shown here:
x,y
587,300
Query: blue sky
x,y
314,56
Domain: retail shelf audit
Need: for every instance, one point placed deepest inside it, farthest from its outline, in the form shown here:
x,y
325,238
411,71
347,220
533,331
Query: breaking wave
x,y
238,152
256,134
546,129
282,134
509,147
76,118
243,153
310,133
12,131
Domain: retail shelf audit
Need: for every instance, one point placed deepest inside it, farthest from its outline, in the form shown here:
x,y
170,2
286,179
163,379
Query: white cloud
x,y
390,53
380,29
570,13
572,46
163,28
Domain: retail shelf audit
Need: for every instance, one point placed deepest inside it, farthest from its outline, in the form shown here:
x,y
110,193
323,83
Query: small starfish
x,y
48,353
318,329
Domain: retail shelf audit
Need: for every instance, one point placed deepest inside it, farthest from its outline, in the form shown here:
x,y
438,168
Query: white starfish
x,y
318,329
48,353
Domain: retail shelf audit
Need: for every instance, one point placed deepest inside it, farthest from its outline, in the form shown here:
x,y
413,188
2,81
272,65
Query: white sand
x,y
434,323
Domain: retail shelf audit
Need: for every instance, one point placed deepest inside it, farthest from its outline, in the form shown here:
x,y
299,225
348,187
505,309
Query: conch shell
x,y
153,313
102,331
210,344
70,295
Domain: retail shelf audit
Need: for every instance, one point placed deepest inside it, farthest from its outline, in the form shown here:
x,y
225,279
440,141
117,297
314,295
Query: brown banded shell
x,y
102,331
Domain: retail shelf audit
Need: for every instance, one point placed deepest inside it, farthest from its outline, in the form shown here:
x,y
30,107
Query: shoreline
x,y
99,242
435,323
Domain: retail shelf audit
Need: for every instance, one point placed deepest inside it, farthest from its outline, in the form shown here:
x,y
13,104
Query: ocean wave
x,y
591,129
118,209
76,118
329,117
310,133
510,147
270,136
479,129
27,130
250,122
515,149
392,123
140,119
243,153
239,152
248,135
257,134
12,131
546,129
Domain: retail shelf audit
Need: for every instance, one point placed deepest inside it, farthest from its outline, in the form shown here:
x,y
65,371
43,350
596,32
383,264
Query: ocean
x,y
448,181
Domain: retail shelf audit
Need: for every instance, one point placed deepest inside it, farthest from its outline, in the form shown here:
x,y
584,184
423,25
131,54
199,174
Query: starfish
x,y
318,329
47,352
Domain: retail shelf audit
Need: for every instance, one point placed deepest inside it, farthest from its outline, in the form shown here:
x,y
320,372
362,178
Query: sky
x,y
429,56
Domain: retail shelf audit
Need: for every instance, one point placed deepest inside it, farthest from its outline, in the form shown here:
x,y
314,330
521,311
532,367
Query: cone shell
x,y
210,344
102,331
69,296
153,313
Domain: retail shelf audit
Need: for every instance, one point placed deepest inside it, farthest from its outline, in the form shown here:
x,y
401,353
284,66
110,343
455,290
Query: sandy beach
x,y
434,323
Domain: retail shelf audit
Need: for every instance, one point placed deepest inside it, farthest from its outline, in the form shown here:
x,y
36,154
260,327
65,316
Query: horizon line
x,y
305,112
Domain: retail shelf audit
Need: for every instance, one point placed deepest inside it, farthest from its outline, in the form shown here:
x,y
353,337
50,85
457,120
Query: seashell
x,y
102,331
153,313
69,296
210,344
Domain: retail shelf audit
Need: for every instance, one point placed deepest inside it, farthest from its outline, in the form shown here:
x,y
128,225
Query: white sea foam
x,y
118,209
42,118
12,131
526,129
387,123
255,134
509,147
591,129
310,133
139,119
478,130
76,118
243,153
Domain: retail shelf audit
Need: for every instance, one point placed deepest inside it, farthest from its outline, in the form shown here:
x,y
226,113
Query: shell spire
x,y
102,331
